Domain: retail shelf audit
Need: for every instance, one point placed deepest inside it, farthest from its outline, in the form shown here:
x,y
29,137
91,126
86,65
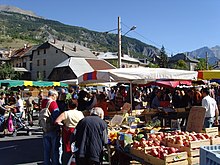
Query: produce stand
x,y
188,151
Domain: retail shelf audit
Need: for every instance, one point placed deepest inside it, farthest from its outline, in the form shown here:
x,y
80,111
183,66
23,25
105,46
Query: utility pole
x,y
206,57
119,42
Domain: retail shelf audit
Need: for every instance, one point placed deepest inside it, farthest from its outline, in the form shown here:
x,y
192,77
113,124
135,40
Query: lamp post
x,y
119,40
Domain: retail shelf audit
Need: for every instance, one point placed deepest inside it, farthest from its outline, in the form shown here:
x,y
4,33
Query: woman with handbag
x,y
69,119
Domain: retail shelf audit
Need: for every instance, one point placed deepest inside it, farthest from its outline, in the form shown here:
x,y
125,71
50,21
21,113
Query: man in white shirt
x,y
211,115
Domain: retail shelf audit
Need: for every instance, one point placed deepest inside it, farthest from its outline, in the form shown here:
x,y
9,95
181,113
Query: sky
x,y
178,25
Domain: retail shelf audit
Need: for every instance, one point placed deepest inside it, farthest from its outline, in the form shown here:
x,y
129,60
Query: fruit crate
x,y
172,159
140,153
210,155
215,140
212,131
192,150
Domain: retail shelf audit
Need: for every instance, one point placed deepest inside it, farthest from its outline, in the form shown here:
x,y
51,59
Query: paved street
x,y
22,149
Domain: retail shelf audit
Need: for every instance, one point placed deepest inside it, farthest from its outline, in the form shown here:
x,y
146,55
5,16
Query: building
x,y
41,60
126,60
190,62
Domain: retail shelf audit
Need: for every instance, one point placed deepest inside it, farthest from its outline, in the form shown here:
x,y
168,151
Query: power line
x,y
158,45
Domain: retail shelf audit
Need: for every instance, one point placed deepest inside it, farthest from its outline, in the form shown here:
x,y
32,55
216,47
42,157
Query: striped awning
x,y
15,83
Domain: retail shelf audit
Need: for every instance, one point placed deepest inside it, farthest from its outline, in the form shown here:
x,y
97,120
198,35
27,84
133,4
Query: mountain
x,y
216,51
213,54
17,10
16,23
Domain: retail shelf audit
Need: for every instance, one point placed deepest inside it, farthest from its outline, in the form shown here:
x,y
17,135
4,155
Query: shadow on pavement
x,y
22,151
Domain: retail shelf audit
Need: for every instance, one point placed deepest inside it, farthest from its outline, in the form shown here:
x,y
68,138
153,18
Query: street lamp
x,y
119,40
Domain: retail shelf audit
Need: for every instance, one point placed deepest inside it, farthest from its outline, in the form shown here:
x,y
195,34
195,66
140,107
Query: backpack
x,y
45,119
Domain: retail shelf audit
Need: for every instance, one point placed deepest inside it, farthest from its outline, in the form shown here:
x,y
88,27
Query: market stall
x,y
208,74
15,83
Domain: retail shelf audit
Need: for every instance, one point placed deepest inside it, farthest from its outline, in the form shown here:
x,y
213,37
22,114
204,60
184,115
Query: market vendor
x,y
156,100
210,105
120,97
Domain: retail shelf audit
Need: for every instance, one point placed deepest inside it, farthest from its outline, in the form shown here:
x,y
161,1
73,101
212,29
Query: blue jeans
x,y
51,143
209,121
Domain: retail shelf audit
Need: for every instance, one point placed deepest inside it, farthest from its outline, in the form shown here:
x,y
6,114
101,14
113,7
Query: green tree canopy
x,y
163,63
202,65
7,71
181,64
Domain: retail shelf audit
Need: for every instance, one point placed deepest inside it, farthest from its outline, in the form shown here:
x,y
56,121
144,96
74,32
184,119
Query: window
x,y
38,62
24,64
38,74
44,62
38,52
30,66
45,51
56,51
44,74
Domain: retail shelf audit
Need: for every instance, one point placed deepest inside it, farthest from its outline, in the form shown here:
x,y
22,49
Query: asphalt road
x,y
22,149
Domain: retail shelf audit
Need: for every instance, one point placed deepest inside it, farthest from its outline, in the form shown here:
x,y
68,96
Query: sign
x,y
196,119
116,120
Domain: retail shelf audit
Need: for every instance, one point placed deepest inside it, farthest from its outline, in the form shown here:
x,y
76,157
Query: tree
x,y
202,65
181,64
7,71
163,62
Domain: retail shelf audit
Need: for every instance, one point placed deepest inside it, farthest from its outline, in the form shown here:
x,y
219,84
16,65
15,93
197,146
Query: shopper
x,y
210,105
90,136
70,119
51,139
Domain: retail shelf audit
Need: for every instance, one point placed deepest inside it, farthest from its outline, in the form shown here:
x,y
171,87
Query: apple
x,y
154,152
171,150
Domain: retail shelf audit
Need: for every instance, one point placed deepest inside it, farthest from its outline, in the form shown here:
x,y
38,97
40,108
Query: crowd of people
x,y
89,133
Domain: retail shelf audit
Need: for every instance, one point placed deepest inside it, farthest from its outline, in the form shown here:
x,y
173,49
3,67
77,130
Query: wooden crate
x,y
212,131
138,152
215,141
193,160
193,149
172,159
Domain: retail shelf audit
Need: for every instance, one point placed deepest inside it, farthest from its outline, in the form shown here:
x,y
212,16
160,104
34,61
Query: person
x,y
51,139
40,98
120,97
11,99
101,102
61,101
20,106
29,108
70,119
210,105
83,102
90,136
156,101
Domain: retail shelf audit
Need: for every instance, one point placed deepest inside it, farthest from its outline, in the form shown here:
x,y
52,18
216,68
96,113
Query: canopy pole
x,y
131,95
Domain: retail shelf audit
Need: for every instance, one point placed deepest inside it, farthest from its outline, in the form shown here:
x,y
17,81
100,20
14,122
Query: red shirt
x,y
52,107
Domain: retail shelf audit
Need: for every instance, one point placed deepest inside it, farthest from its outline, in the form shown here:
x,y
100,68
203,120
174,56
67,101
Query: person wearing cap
x,y
90,136
210,105
69,120
51,139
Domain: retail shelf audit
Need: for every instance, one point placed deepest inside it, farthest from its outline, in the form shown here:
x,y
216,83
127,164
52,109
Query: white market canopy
x,y
136,75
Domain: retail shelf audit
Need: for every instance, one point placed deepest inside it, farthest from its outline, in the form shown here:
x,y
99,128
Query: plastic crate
x,y
210,155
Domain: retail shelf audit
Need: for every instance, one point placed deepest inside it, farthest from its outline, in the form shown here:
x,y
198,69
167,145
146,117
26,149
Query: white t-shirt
x,y
210,105
20,105
72,117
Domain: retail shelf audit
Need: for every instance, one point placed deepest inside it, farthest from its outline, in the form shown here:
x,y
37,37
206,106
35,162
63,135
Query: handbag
x,y
10,124
72,160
